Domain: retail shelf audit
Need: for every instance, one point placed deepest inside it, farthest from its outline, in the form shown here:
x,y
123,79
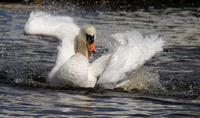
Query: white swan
x,y
131,51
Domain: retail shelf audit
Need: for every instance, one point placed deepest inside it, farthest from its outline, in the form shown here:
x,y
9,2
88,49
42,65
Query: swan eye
x,y
90,38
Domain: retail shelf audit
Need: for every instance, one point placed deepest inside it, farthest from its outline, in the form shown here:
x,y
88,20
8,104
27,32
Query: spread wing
x,y
131,51
60,27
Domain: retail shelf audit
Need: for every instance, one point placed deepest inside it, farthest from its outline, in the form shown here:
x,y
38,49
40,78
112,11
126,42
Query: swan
x,y
76,46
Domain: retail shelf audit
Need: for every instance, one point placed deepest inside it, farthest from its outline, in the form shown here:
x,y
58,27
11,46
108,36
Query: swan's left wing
x,y
98,66
132,52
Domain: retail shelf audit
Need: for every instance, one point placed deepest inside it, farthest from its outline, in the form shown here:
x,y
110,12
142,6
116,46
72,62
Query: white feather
x,y
131,51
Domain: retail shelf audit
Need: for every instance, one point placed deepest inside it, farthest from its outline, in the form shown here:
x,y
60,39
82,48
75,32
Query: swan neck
x,y
81,47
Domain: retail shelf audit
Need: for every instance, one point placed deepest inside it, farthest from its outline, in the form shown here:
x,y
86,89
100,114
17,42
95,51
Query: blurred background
x,y
122,5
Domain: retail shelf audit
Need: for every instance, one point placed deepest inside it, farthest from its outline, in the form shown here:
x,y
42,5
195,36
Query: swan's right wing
x,y
131,52
60,27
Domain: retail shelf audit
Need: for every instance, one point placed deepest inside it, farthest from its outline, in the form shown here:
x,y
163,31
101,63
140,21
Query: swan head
x,y
88,35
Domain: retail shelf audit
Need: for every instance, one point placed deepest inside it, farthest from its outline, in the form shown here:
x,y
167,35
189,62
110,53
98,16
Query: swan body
x,y
76,45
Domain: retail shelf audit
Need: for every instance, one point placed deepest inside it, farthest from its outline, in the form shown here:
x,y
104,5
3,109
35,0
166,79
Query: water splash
x,y
141,79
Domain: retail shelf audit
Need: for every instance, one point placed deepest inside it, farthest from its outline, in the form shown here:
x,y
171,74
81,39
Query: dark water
x,y
26,60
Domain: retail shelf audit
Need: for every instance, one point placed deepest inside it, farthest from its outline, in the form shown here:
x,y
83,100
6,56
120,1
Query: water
x,y
26,61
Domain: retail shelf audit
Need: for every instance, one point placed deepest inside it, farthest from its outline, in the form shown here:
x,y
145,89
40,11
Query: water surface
x,y
26,61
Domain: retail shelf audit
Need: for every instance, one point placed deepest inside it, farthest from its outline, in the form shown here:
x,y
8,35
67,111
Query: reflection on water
x,y
61,103
26,60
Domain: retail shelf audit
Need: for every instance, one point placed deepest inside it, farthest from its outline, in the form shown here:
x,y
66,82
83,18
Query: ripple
x,y
26,61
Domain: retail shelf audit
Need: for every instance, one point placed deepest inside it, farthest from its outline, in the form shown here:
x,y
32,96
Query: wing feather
x,y
131,53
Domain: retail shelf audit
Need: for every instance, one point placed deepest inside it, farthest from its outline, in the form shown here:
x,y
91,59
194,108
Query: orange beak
x,y
91,48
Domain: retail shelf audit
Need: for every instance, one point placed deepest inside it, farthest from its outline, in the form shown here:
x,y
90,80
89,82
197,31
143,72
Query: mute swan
x,y
76,45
